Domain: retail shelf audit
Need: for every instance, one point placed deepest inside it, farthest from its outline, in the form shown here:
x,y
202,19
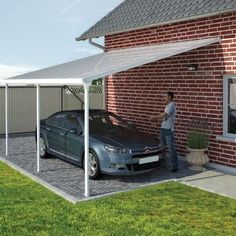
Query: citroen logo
x,y
147,150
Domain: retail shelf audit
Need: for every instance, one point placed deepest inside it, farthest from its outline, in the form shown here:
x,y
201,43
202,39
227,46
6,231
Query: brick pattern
x,y
137,94
70,179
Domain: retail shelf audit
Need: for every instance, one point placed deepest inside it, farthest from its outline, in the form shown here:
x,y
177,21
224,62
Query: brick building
x,y
208,92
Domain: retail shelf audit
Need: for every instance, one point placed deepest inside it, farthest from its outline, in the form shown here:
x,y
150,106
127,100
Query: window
x,y
72,122
57,120
230,106
106,123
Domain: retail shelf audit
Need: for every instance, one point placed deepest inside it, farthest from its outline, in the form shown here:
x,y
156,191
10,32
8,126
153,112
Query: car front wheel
x,y
94,168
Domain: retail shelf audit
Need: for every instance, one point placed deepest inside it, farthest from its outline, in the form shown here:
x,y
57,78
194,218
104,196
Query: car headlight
x,y
111,149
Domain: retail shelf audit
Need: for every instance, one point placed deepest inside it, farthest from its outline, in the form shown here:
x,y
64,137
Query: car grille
x,y
138,167
148,149
147,153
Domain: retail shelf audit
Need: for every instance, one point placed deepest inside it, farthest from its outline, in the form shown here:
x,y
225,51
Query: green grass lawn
x,y
26,208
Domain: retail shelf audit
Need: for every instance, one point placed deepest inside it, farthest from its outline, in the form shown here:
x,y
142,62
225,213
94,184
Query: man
x,y
167,128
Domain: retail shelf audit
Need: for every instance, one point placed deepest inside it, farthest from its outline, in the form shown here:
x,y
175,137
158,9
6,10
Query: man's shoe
x,y
175,169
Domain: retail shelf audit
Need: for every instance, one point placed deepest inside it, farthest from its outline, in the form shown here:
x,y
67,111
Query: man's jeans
x,y
167,139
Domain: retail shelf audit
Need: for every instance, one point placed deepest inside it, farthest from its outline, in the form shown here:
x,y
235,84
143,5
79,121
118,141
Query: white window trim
x,y
225,105
226,136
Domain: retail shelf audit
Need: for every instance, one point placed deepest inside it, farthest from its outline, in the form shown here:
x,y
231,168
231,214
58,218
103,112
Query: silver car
x,y
116,146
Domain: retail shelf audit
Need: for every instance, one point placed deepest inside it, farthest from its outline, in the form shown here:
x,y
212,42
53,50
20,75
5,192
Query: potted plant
x,y
197,144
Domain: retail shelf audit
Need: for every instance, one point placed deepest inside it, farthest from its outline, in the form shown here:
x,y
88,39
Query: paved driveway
x,y
69,179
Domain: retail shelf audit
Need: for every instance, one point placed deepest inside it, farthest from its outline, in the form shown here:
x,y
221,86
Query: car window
x,y
72,122
106,122
58,120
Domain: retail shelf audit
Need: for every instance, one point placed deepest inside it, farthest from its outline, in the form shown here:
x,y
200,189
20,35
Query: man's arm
x,y
161,116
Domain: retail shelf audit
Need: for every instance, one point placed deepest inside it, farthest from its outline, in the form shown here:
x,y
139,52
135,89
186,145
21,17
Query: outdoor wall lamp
x,y
192,67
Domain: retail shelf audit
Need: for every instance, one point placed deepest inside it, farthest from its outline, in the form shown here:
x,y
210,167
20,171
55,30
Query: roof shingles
x,y
134,14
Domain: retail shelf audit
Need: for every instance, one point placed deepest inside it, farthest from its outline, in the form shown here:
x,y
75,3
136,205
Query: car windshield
x,y
106,123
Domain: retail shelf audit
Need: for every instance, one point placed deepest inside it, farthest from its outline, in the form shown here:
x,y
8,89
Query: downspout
x,y
96,45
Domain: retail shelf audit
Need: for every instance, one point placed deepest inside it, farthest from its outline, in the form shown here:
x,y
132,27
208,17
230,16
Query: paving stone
x,y
70,178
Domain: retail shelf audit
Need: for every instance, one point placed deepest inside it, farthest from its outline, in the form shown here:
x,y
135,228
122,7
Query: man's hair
x,y
170,94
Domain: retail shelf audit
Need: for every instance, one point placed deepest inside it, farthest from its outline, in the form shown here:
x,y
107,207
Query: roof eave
x,y
81,38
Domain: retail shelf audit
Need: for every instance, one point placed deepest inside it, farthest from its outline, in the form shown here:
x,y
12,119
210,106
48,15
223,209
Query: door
x,y
74,138
56,133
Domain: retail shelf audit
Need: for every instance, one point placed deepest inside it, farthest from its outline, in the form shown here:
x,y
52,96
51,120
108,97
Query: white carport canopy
x,y
84,71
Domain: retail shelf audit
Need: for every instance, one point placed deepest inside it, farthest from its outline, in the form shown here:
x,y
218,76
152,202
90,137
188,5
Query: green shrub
x,y
197,139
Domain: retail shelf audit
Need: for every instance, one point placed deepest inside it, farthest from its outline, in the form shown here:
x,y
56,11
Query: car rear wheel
x,y
94,168
43,147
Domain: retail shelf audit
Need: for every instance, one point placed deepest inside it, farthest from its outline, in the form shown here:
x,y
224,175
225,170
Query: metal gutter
x,y
96,45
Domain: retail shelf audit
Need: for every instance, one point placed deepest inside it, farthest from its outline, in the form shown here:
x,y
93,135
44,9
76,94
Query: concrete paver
x,y
216,181
69,179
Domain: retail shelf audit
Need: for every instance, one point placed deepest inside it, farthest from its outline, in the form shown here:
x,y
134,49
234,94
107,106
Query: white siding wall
x,y
95,101
22,106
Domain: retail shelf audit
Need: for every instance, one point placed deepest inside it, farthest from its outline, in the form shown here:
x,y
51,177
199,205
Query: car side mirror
x,y
73,131
80,132
132,126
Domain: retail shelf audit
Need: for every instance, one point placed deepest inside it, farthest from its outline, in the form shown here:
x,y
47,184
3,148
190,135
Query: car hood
x,y
132,139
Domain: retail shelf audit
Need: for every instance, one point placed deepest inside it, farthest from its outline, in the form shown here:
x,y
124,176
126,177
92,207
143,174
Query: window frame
x,y
225,106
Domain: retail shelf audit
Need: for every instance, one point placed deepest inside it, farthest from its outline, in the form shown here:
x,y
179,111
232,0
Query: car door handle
x,y
48,129
62,133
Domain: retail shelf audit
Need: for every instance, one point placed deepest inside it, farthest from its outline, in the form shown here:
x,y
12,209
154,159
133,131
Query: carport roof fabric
x,y
87,69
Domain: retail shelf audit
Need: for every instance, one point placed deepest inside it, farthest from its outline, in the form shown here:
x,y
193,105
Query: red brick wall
x,y
137,94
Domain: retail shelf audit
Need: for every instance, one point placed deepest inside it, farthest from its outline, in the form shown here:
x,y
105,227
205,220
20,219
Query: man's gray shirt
x,y
169,121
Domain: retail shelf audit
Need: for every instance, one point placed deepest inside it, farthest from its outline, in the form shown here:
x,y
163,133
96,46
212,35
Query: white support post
x,y
86,139
104,93
6,119
38,127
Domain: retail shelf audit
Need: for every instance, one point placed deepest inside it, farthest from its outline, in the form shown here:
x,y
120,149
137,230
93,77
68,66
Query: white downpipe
x,y
86,139
38,127
6,119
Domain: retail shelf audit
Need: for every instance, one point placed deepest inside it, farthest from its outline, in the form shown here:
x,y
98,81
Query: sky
x,y
37,34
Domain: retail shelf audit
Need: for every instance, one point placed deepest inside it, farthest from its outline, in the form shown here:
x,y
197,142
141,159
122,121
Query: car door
x,y
74,139
56,133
